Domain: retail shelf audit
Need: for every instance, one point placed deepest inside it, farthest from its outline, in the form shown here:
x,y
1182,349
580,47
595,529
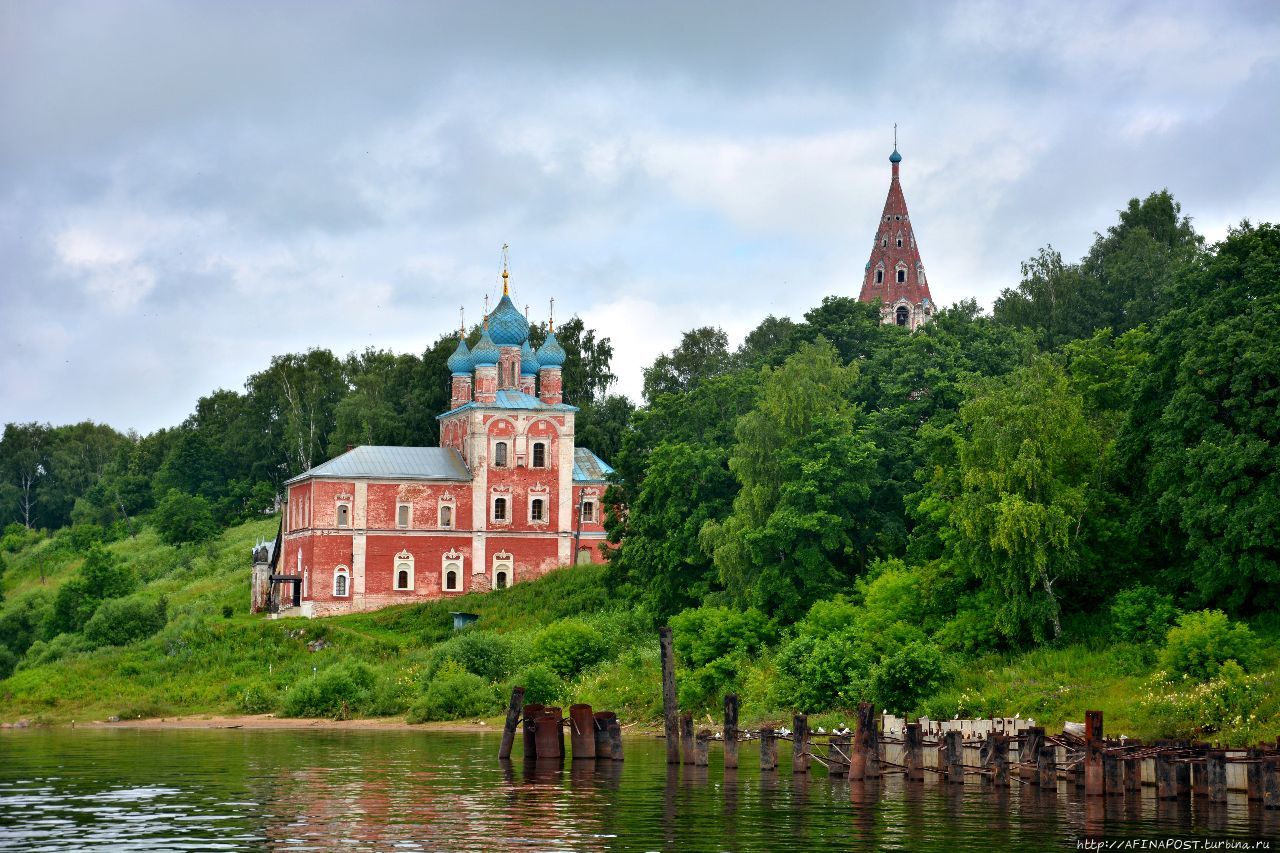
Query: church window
x,y
588,511
503,570
920,275
897,217
537,510
451,578
899,242
446,515
539,455
903,316
404,570
884,243
499,509
340,582
451,571
879,276
500,455
402,515
344,515
902,275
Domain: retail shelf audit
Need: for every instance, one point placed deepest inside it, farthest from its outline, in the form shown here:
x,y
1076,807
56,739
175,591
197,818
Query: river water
x,y
129,789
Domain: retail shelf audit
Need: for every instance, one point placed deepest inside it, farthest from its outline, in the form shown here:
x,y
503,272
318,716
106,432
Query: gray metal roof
x,y
512,399
393,463
589,468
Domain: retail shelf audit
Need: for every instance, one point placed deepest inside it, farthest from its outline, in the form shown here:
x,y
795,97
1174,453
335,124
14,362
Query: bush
x,y
8,663
906,676
16,537
452,694
1180,708
825,672
338,692
1142,614
972,631
715,643
541,685
48,651
181,518
570,646
257,698
23,620
122,621
102,576
481,653
1201,642
79,538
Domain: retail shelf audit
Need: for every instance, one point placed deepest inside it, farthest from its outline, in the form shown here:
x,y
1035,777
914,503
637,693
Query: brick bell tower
x,y
895,273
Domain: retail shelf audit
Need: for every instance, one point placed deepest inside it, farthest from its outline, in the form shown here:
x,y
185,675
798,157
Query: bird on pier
x,y
784,732
820,730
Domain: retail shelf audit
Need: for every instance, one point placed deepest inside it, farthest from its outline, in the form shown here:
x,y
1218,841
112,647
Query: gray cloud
x,y
188,189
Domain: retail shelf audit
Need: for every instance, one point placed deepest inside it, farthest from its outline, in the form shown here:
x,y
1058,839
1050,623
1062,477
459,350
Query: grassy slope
x,y
203,662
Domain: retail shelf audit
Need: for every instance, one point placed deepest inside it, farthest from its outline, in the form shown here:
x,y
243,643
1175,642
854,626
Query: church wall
x,y
534,556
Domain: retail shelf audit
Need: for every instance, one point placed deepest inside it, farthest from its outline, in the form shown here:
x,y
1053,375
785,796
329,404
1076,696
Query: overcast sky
x,y
187,189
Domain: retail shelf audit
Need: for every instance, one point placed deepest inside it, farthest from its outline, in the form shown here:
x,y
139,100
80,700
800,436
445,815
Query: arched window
x,y
499,509
341,580
879,276
403,570
902,275
402,578
920,274
503,570
446,515
344,515
402,515
451,571
899,242
539,455
500,455
903,315
884,243
537,510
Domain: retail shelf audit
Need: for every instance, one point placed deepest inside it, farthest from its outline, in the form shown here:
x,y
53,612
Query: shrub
x,y
338,691
972,631
452,694
570,646
181,518
79,538
23,620
16,537
102,576
258,698
1202,641
8,663
541,685
481,653
1142,614
1180,708
906,676
825,672
48,651
715,643
121,621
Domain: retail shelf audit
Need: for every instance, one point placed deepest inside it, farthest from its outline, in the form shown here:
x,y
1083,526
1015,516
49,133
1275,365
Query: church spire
x,y
895,275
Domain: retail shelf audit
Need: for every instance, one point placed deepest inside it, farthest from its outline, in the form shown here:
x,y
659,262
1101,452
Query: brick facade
x,y
895,273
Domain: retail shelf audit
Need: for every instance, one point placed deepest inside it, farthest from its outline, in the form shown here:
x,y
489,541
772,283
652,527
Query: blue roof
x,y
895,157
528,361
507,326
392,463
485,354
589,468
511,399
460,362
551,354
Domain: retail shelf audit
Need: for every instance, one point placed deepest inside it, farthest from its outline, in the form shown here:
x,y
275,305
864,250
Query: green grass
x,y
205,663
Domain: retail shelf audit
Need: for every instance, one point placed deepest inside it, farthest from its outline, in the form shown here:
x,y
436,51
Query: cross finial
x,y
486,312
504,269
551,320
462,321
895,136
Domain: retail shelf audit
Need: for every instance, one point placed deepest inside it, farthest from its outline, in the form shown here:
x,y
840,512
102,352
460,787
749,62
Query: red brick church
x,y
895,274
505,498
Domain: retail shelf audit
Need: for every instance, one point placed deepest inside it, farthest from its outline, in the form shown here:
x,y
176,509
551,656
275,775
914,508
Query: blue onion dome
x,y
507,326
895,157
551,354
486,353
528,361
460,362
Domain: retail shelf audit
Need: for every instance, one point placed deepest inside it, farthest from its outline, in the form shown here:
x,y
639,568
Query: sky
x,y
187,189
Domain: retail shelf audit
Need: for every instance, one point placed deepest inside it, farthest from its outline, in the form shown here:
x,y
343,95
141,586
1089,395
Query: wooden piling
x,y
531,714
1253,774
800,742
512,722
582,731
1094,781
1182,774
601,726
1200,770
1216,767
1112,775
955,757
768,750
995,758
686,737
731,730
1271,781
1166,776
1047,768
1133,773
838,755
669,721
700,741
615,740
1092,726
913,753
1029,754
864,762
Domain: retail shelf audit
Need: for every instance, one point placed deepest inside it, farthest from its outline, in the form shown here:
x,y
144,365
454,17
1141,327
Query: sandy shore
x,y
267,721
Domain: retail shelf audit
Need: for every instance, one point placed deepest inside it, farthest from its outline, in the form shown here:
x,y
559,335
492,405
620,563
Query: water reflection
x,y
296,790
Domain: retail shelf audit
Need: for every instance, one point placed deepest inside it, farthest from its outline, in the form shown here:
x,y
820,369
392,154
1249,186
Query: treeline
x,y
227,462
1112,425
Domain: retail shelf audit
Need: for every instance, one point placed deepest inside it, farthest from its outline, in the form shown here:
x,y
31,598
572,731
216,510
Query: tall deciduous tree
x,y
24,457
703,353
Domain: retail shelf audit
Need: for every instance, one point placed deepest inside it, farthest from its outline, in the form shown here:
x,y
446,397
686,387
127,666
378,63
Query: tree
x,y
703,353
193,466
601,426
799,527
1200,441
103,576
1023,485
181,518
24,456
1048,300
300,392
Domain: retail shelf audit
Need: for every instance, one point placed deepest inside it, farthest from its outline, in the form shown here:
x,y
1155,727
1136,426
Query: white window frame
x,y
506,508
879,275
451,561
503,459
901,275
440,511
337,518
407,509
403,563
503,562
589,510
344,573
533,454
